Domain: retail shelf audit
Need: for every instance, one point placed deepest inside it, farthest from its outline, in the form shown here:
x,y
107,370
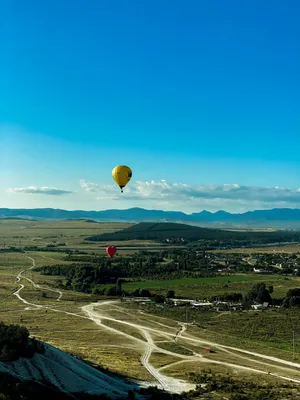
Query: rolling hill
x,y
277,217
161,231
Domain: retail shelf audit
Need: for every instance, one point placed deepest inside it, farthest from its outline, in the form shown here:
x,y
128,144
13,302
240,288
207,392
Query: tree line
x,y
88,271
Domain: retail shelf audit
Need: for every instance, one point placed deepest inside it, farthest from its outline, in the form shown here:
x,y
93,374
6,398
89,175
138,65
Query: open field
x,y
223,279
251,229
289,249
268,332
66,234
203,288
148,344
41,233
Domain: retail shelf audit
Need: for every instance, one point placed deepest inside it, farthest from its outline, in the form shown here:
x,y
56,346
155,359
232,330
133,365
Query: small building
x,y
180,302
257,306
207,351
198,304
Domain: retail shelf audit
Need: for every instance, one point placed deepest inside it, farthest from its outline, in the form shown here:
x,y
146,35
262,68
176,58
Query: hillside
x,y
278,217
156,231
65,373
162,231
38,365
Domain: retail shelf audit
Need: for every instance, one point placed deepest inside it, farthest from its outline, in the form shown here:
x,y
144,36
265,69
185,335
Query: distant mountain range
x,y
277,217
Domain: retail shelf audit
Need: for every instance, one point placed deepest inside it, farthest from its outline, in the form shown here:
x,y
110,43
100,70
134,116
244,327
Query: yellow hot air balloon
x,y
121,175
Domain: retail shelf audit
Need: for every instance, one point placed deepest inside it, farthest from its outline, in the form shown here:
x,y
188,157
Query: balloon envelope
x,y
111,251
121,175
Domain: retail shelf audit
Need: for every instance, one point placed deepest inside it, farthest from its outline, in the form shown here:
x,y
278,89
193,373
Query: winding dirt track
x,y
98,312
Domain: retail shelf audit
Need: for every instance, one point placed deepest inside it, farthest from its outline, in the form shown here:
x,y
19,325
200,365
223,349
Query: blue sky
x,y
203,93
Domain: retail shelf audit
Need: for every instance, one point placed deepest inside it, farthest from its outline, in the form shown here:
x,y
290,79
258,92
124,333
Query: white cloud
x,y
90,186
183,196
50,191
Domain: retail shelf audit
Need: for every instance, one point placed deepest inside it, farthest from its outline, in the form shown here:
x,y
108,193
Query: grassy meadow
x,y
205,287
15,232
288,249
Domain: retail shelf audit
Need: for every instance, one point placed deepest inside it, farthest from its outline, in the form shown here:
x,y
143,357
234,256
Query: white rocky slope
x,y
67,373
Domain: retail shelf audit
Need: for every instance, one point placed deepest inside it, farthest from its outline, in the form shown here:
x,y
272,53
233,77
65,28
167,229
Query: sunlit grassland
x,y
251,229
284,389
219,279
272,330
184,368
289,249
162,331
251,331
267,332
48,258
161,337
159,360
44,279
123,360
129,243
159,320
222,356
41,233
14,260
121,328
232,357
205,287
10,265
239,338
175,348
69,234
192,346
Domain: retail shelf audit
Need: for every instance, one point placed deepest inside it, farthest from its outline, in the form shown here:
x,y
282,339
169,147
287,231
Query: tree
x,y
159,298
259,293
293,292
112,291
171,294
119,284
294,301
98,289
144,293
131,395
7,353
271,289
135,292
59,283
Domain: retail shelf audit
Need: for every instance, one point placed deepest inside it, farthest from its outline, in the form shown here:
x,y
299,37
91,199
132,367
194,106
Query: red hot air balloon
x,y
111,251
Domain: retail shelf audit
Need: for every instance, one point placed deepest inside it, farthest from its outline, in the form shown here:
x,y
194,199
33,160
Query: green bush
x,y
15,343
